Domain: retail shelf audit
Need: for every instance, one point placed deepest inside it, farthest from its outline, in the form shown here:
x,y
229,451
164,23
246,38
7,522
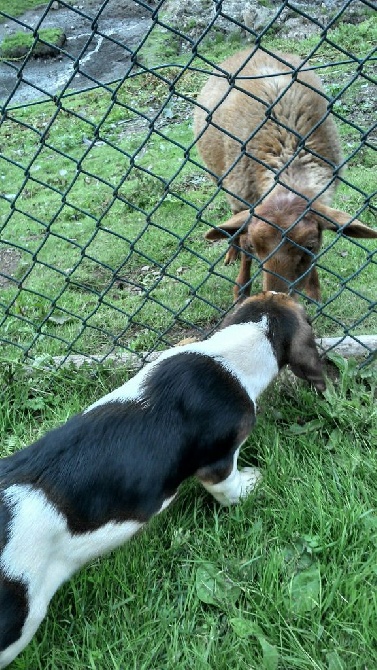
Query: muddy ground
x,y
103,34
104,53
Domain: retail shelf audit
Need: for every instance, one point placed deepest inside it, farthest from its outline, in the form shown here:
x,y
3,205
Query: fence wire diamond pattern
x,y
104,201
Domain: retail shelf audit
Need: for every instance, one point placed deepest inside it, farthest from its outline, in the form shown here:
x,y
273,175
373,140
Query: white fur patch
x,y
131,390
246,352
242,349
166,504
236,486
42,553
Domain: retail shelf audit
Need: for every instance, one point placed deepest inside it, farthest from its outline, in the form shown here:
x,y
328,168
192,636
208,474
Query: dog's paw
x,y
235,487
249,479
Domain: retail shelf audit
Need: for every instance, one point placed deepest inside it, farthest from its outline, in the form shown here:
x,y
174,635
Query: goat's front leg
x,y
243,275
233,252
226,483
313,288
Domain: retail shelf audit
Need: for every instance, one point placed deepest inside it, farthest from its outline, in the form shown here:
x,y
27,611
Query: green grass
x,y
356,40
294,566
100,195
105,221
20,43
18,7
284,580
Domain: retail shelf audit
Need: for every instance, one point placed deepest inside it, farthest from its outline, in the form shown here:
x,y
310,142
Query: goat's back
x,y
268,115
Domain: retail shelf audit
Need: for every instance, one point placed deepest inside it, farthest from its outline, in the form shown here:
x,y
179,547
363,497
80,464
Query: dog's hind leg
x,y
226,483
13,614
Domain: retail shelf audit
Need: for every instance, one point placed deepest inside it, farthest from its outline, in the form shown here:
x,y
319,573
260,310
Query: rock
x,y
299,28
194,16
256,17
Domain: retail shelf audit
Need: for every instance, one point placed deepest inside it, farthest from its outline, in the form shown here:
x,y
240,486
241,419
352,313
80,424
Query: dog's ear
x,y
231,226
303,358
355,229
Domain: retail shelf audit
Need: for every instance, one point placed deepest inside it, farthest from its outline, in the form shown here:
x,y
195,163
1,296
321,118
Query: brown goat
x,y
267,133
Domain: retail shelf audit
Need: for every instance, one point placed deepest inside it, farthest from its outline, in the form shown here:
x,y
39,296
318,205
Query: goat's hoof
x,y
314,295
231,256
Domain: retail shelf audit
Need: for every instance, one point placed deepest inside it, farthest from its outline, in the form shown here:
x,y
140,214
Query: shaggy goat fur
x,y
266,132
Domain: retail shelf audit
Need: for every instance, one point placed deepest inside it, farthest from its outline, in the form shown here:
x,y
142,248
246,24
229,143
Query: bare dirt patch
x,y
9,260
99,43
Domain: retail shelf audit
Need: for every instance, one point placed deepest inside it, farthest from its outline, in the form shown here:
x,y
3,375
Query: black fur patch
x,y
13,611
5,518
121,460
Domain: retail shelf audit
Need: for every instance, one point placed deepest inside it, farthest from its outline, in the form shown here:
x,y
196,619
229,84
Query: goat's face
x,y
285,234
286,237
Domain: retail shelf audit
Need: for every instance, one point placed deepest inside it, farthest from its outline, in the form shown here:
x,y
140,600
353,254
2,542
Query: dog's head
x,y
288,330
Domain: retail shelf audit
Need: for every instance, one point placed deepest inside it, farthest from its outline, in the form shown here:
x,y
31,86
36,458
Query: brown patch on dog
x,y
186,340
217,472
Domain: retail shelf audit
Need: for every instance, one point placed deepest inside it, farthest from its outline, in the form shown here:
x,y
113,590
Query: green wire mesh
x,y
104,201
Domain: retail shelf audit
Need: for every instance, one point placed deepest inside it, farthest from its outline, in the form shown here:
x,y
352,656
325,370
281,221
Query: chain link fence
x,y
104,201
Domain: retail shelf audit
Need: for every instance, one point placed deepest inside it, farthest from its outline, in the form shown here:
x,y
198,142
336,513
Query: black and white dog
x,y
88,486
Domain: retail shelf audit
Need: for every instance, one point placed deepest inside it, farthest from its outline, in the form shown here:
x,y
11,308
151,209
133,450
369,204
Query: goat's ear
x,y
231,226
355,229
304,359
